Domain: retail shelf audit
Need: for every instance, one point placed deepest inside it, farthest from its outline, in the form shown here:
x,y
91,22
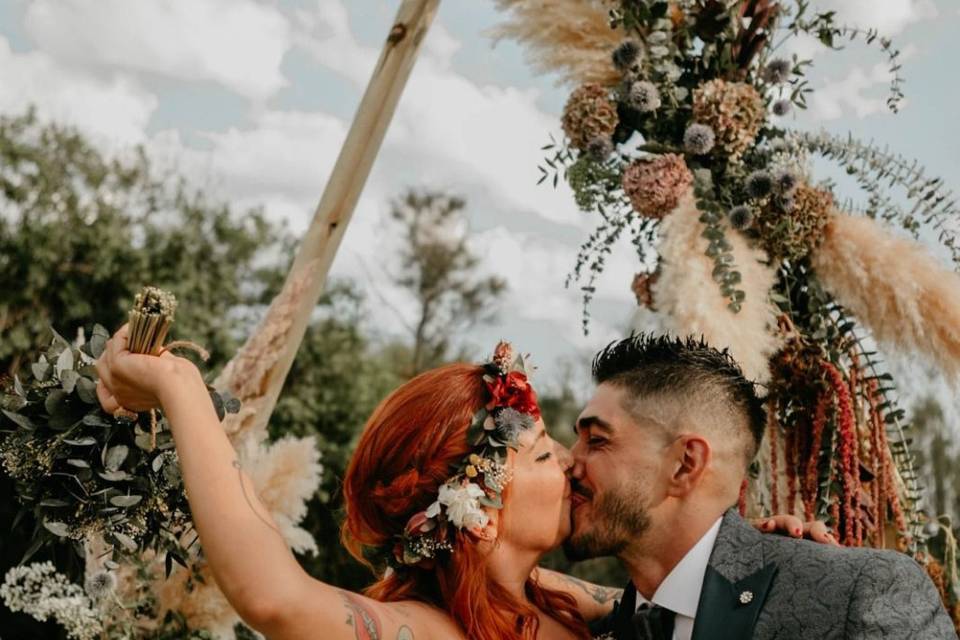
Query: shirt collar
x,y
680,590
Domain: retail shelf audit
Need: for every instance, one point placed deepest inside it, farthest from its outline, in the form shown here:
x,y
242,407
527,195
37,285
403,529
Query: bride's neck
x,y
511,568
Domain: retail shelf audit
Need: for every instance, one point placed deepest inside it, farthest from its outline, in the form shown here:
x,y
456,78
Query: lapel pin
x,y
746,597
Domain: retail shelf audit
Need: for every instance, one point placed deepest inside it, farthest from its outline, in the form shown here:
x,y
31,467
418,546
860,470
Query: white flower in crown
x,y
462,503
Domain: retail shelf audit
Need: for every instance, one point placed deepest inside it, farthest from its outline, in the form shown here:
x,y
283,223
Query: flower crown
x,y
481,476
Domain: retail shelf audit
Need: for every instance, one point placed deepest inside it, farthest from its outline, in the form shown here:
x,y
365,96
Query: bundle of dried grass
x,y
894,286
691,303
569,37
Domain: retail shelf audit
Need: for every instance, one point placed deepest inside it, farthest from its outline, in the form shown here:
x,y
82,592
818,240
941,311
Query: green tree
x,y
439,269
81,233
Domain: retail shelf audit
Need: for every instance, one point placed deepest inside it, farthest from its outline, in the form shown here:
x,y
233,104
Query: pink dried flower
x,y
655,185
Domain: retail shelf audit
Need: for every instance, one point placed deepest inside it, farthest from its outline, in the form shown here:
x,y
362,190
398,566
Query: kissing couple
x,y
457,490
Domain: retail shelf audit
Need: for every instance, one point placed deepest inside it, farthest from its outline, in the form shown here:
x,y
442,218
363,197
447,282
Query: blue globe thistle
x,y
643,96
741,217
600,148
101,584
777,71
782,107
759,184
625,55
510,423
784,183
698,139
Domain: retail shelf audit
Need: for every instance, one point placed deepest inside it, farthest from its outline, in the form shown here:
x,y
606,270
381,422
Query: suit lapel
x,y
723,613
736,583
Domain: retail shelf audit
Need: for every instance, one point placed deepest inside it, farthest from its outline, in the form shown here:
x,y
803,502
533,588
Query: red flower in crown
x,y
513,390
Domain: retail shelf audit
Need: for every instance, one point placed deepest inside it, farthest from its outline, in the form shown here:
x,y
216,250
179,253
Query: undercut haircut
x,y
690,371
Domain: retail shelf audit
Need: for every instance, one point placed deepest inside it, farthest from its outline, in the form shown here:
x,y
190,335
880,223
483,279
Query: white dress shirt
x,y
680,590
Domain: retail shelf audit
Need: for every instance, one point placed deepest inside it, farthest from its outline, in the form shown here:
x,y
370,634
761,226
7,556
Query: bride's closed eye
x,y
542,457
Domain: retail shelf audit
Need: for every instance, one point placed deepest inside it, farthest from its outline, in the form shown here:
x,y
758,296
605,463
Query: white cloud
x,y
237,43
282,161
860,93
115,109
889,17
324,32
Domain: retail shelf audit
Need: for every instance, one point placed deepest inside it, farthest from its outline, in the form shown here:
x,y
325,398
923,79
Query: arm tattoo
x,y
601,595
243,488
365,623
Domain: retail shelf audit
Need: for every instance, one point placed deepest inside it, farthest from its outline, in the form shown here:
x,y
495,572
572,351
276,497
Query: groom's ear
x,y
691,457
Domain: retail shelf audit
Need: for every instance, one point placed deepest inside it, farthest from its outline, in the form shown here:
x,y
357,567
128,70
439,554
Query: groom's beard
x,y
615,520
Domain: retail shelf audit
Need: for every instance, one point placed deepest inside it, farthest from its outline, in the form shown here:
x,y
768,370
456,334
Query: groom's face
x,y
615,476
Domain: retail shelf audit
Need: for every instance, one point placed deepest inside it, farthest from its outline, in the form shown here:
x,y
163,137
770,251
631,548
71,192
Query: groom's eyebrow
x,y
592,422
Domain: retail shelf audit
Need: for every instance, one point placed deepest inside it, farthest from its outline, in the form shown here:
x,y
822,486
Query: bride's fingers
x,y
819,532
107,401
103,371
791,525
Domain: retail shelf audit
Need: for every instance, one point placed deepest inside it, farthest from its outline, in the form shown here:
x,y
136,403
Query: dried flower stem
x,y
812,472
773,426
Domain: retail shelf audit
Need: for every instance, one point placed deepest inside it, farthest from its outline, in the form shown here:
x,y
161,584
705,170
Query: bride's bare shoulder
x,y
435,623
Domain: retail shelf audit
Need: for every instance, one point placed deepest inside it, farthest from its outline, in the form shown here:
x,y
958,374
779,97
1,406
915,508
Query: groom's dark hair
x,y
687,369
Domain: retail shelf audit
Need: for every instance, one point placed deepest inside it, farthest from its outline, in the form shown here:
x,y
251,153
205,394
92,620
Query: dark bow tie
x,y
653,623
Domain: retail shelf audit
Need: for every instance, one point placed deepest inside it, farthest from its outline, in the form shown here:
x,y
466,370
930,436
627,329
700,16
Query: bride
x,y
455,492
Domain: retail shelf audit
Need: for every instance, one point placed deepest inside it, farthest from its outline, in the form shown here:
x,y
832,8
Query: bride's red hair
x,y
408,448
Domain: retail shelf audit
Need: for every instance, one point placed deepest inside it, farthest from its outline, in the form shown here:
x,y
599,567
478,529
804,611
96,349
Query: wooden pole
x,y
307,276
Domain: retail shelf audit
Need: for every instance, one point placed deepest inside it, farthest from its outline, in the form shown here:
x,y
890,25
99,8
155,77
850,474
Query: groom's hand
x,y
815,530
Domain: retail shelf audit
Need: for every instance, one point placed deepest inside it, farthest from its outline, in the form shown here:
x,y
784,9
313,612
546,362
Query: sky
x,y
252,100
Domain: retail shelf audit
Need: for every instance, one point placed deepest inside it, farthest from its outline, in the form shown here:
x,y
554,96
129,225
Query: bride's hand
x,y
815,530
134,381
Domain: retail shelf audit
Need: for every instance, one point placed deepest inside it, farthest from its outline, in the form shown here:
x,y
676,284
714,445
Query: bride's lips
x,y
577,499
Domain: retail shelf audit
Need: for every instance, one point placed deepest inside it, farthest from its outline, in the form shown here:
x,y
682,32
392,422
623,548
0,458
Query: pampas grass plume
x,y
570,37
691,302
894,286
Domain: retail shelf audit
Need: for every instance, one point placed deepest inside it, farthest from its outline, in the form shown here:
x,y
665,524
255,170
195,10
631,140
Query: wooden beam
x,y
279,336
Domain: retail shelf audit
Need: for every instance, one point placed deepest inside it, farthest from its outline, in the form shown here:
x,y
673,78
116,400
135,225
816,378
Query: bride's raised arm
x,y
250,560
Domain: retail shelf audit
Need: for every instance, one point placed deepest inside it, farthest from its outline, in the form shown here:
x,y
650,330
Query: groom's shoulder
x,y
853,564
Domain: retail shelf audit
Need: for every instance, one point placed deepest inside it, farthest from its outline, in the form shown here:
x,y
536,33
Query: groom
x,y
663,447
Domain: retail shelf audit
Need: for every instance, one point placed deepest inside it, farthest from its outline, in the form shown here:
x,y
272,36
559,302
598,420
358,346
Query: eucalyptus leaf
x,y
125,501
40,370
85,441
77,462
87,390
64,361
18,387
53,502
57,528
115,456
55,402
114,476
69,379
95,419
96,346
20,420
125,540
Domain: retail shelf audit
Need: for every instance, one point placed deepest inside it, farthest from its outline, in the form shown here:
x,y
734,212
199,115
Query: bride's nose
x,y
564,456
